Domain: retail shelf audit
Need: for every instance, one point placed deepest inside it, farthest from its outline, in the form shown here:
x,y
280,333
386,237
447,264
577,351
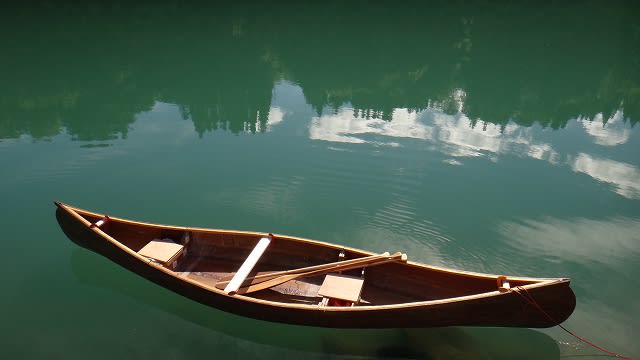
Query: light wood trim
x,y
342,287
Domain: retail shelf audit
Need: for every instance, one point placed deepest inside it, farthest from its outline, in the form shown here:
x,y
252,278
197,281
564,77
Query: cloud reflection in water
x,y
624,177
609,133
458,136
455,135
581,239
348,126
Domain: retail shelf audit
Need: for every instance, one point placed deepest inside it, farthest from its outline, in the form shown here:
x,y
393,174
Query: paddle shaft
x,y
270,275
341,267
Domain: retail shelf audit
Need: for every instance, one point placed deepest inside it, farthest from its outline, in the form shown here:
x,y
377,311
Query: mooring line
x,y
524,293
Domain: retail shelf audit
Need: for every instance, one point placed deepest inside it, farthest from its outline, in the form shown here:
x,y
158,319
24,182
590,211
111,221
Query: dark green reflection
x,y
90,67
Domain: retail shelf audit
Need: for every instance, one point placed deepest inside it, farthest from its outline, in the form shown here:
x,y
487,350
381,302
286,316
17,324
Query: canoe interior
x,y
212,256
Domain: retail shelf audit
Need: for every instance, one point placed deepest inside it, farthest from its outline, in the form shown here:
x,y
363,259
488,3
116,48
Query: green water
x,y
499,137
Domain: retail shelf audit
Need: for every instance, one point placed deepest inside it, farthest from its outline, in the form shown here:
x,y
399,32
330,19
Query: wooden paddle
x,y
369,261
264,276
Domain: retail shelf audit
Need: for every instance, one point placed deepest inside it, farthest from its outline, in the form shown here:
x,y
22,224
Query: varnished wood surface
x,y
342,287
393,294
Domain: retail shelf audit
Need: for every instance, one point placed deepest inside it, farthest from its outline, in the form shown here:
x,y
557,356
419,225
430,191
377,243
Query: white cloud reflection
x,y
464,139
348,126
274,117
606,241
611,133
543,152
624,177
455,135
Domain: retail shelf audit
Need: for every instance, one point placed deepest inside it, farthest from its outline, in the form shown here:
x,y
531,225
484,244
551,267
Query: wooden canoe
x,y
198,263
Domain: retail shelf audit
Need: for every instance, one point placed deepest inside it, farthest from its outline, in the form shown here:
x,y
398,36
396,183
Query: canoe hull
x,y
498,309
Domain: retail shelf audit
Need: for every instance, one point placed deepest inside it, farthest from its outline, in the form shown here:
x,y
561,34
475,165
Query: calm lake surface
x,y
499,137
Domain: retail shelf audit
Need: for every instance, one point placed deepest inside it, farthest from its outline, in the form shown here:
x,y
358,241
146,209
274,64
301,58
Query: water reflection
x,y
347,123
601,256
607,132
461,137
625,178
578,239
455,135
275,117
89,78
458,136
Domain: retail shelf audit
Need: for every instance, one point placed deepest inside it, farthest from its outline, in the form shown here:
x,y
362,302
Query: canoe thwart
x,y
248,265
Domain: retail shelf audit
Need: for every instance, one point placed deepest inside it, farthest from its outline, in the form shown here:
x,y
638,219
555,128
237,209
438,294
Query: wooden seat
x,y
163,251
343,288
